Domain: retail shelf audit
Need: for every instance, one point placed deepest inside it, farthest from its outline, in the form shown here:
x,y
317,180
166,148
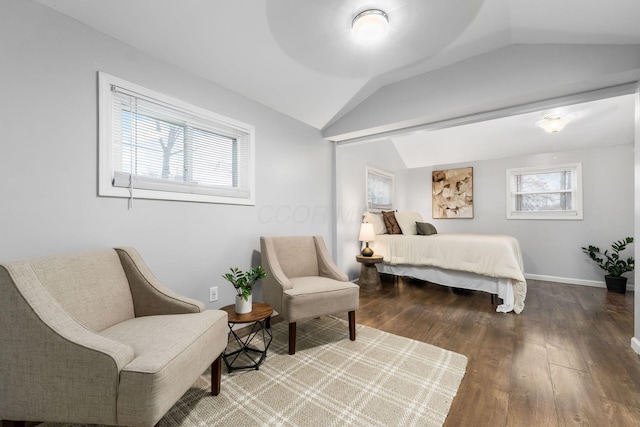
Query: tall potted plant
x,y
243,282
613,264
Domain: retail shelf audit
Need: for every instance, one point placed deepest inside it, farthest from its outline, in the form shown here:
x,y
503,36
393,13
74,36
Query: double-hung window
x,y
156,147
553,192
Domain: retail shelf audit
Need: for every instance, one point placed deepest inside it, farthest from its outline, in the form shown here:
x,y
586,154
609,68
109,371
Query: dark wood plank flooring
x,y
565,361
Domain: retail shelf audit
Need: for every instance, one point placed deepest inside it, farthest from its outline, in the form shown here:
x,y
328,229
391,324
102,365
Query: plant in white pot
x,y
243,281
613,264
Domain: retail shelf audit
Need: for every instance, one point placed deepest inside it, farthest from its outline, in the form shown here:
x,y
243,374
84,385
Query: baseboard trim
x,y
635,345
572,281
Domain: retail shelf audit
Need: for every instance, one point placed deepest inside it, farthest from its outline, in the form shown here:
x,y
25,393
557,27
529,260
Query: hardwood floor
x,y
565,361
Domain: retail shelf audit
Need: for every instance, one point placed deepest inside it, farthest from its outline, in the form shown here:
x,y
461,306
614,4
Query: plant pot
x,y
242,306
616,284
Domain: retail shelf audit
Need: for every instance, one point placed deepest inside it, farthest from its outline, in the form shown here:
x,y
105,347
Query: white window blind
x,y
163,148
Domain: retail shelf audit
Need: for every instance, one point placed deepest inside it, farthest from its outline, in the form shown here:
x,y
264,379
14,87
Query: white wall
x,y
48,161
550,247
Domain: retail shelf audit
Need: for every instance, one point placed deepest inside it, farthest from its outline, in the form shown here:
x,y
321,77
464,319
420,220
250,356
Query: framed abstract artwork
x,y
452,193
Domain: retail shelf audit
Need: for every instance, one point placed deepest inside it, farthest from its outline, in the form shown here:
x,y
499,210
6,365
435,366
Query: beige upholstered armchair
x,y
95,338
303,282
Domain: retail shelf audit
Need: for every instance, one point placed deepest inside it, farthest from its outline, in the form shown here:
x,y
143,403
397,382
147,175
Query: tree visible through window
x,y
149,147
550,191
170,151
546,193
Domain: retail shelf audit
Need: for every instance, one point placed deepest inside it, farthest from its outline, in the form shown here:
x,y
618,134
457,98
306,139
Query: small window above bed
x,y
552,192
379,190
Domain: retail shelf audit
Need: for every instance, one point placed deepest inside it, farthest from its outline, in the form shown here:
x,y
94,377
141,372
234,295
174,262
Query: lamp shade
x,y
366,232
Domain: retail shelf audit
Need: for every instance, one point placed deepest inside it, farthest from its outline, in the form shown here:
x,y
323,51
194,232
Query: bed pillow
x,y
391,222
425,229
407,221
379,226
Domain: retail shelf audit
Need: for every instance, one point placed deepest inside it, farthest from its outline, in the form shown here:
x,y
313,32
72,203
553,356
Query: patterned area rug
x,y
378,380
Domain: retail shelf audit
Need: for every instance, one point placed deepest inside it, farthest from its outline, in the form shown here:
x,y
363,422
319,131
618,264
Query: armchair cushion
x,y
169,350
316,296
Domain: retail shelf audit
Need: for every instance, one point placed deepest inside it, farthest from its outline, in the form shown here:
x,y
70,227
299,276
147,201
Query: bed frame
x,y
457,279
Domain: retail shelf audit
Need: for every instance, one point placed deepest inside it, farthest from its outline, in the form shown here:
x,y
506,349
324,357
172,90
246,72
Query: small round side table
x,y
369,277
241,354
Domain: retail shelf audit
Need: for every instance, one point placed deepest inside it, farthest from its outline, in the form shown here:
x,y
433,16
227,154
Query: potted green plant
x,y
243,281
613,264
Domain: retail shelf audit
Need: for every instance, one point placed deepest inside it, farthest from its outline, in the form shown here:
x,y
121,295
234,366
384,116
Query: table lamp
x,y
367,235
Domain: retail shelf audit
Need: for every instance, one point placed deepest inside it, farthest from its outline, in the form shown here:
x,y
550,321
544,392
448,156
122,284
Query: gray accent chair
x,y
304,283
94,338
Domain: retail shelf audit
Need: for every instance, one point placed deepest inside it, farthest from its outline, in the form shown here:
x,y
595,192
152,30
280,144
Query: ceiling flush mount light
x,y
553,123
369,26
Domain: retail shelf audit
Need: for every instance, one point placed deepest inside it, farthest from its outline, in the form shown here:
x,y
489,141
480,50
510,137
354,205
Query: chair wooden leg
x,y
216,376
292,338
10,423
352,325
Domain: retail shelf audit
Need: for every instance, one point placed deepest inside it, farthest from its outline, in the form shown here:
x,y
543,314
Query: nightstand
x,y
369,277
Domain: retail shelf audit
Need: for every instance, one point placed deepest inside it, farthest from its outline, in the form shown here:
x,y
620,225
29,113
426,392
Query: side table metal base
x,y
251,356
248,352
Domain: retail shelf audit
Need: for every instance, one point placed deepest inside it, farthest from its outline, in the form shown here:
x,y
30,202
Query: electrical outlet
x,y
213,294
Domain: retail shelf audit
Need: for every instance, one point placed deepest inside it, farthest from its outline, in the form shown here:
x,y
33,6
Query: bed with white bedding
x,y
490,263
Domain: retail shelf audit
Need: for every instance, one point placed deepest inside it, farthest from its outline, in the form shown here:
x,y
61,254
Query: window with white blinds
x,y
153,146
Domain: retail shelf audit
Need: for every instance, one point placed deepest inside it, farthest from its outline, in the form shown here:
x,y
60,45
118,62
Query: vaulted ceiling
x,y
298,57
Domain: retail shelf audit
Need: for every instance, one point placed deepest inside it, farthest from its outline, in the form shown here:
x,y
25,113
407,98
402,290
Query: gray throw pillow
x,y
425,229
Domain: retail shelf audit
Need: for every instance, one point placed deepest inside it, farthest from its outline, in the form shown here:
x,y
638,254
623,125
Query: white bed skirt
x,y
457,279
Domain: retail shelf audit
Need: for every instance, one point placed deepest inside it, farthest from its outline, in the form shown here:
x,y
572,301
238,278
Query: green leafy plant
x,y
611,262
244,281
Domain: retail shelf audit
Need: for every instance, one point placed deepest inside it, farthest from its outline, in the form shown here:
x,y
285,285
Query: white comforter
x,y
486,255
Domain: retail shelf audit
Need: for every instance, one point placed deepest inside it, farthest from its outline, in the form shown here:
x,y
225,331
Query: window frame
x,y
576,213
107,171
390,182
